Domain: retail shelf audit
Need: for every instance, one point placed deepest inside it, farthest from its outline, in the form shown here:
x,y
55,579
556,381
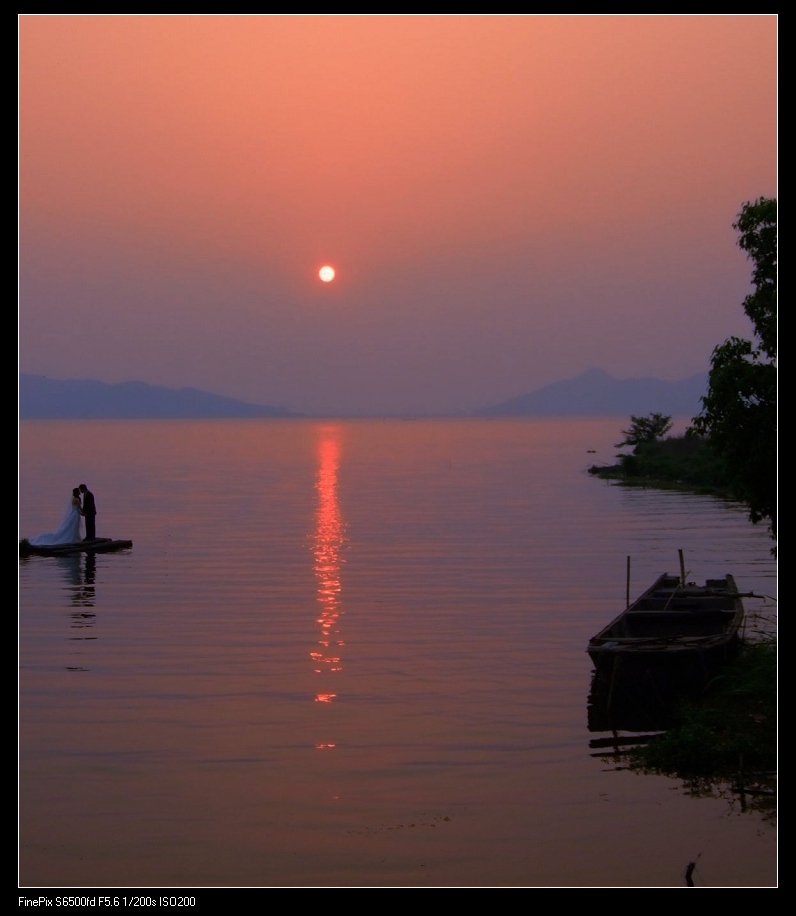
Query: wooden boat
x,y
98,545
682,628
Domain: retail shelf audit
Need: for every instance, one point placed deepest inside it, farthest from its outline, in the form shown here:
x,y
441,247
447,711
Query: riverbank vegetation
x,y
726,745
683,462
731,448
727,742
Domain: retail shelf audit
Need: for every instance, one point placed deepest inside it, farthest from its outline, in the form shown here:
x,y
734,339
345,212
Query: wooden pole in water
x,y
682,568
627,585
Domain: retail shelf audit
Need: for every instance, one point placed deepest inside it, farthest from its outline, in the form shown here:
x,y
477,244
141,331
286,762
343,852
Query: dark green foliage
x,y
731,449
739,412
757,226
645,429
682,462
730,738
685,460
739,418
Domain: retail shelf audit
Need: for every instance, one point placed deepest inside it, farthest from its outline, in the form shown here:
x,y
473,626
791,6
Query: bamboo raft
x,y
97,545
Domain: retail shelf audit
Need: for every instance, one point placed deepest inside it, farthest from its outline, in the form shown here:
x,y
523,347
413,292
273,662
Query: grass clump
x,y
727,742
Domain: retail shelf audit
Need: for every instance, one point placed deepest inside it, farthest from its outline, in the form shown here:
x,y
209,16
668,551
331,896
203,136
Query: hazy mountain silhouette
x,y
595,393
42,398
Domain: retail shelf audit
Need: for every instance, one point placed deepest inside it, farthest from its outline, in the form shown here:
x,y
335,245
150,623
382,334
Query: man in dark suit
x,y
89,512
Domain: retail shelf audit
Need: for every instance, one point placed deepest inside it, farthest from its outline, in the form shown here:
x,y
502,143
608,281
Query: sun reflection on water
x,y
328,541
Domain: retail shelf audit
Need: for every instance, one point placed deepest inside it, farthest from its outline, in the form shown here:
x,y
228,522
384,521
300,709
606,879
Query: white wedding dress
x,y
68,533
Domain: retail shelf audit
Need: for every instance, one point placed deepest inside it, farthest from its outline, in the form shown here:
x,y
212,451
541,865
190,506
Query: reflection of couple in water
x,y
81,507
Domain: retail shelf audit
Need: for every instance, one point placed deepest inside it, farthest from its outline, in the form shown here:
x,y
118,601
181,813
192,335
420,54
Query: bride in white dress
x,y
69,531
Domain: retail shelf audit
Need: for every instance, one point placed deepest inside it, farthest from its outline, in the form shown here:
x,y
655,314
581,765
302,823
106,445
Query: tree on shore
x,y
739,412
645,429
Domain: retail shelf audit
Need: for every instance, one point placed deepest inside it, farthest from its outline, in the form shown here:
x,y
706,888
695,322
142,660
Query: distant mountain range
x,y
594,393
42,398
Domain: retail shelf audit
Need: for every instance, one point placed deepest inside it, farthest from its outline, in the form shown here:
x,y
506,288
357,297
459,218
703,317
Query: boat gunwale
x,y
667,645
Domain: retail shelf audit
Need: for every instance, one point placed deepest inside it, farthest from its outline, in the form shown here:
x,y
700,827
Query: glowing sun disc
x,y
326,274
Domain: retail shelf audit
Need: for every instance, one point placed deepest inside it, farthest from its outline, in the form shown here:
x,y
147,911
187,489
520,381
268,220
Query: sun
x,y
326,274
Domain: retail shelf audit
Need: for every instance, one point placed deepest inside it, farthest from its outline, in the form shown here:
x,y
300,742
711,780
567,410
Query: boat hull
x,y
673,636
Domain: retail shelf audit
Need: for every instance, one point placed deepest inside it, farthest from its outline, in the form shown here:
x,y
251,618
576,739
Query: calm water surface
x,y
351,653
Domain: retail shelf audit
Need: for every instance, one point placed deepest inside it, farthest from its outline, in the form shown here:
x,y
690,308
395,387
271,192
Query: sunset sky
x,y
507,201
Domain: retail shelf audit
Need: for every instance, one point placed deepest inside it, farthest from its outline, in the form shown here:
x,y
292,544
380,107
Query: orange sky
x,y
507,200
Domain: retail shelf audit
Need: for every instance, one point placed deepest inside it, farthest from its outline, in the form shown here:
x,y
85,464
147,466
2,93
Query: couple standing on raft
x,y
81,506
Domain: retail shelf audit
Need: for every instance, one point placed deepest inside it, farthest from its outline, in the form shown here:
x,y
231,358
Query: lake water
x,y
351,654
